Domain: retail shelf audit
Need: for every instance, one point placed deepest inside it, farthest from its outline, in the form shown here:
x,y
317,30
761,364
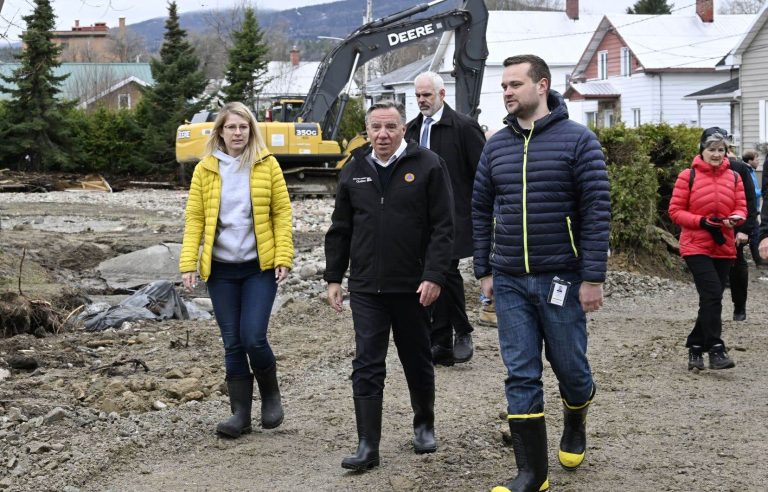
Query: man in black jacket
x,y
393,226
458,139
738,277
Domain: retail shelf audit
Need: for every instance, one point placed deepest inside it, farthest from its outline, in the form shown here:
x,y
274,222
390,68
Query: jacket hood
x,y
212,163
557,111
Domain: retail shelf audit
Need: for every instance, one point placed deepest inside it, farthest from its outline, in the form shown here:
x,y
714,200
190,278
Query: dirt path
x,y
653,426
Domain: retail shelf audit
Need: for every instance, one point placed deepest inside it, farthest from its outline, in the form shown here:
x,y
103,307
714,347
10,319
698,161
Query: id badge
x,y
557,291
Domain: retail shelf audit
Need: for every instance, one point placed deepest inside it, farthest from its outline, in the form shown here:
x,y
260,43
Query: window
x,y
123,101
636,117
626,62
602,65
591,117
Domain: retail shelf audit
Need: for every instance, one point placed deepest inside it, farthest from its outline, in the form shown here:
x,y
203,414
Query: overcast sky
x,y
92,11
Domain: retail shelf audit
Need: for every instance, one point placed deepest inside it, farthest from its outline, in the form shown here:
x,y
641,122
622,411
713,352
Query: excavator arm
x,y
327,98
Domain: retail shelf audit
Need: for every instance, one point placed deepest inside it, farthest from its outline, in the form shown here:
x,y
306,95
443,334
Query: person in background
x,y
239,208
750,157
738,277
458,139
707,207
541,214
392,225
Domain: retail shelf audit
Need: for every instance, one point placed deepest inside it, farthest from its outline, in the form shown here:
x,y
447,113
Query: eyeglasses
x,y
234,128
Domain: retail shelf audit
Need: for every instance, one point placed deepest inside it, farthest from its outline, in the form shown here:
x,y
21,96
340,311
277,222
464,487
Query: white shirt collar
x,y
438,114
393,158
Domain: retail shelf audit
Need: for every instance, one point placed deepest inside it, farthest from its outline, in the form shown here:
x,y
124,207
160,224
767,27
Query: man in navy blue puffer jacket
x,y
541,215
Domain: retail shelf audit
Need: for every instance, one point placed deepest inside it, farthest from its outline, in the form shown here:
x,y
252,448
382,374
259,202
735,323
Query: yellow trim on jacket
x,y
271,215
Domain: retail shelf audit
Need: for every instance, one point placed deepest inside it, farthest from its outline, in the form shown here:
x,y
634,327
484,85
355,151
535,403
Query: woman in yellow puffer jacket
x,y
239,208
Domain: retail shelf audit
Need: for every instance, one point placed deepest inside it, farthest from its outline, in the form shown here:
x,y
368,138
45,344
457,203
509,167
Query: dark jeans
x,y
527,321
709,275
373,315
242,297
739,280
450,311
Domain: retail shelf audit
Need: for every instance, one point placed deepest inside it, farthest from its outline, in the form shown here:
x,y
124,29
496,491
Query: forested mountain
x,y
335,19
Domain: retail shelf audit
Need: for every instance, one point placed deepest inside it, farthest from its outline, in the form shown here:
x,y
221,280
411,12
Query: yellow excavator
x,y
302,133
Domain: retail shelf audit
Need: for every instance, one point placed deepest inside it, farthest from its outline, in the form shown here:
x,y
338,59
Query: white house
x,y
639,68
558,37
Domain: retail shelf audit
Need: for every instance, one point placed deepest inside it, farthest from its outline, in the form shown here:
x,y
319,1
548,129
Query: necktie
x,y
425,132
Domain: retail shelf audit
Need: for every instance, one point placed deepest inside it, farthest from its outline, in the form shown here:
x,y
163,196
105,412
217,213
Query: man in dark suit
x,y
458,139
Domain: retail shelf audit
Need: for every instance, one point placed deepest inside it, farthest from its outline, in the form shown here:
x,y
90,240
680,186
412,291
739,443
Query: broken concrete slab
x,y
132,270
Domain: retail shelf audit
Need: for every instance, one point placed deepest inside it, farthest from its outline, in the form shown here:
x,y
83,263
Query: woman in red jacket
x,y
707,202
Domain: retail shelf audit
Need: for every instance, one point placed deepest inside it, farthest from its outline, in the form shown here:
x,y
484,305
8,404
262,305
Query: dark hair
x,y
748,155
387,104
539,68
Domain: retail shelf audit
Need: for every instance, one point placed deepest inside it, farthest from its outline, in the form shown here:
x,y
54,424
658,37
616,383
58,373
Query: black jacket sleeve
x,y
440,246
749,192
339,236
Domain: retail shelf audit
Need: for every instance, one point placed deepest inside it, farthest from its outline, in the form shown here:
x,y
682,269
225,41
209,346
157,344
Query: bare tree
x,y
212,54
524,4
91,81
127,47
740,6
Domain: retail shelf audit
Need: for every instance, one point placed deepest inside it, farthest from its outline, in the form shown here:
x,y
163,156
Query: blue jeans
x,y
526,321
242,297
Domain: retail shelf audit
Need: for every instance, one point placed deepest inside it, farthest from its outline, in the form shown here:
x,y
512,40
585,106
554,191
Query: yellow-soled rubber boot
x,y
529,441
573,444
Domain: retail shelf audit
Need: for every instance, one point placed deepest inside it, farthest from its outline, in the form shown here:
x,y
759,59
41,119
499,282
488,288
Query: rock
x,y
184,386
195,372
6,482
37,447
174,374
307,271
14,415
193,395
54,415
4,374
158,405
23,362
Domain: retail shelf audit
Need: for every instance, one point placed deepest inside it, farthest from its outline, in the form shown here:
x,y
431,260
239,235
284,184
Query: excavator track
x,y
311,182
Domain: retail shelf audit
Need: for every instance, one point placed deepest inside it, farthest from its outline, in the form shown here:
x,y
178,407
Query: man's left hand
x,y
741,238
591,296
429,292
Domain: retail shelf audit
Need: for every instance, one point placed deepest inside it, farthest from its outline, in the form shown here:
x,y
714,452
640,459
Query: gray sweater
x,y
235,238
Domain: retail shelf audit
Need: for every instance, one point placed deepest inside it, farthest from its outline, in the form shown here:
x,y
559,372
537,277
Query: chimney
x,y
77,25
121,27
705,9
572,9
295,56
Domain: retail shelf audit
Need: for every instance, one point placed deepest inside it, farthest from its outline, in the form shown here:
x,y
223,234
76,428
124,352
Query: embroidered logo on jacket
x,y
409,177
365,179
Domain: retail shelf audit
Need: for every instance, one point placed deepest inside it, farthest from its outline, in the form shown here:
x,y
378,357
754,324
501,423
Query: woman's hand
x,y
281,273
189,280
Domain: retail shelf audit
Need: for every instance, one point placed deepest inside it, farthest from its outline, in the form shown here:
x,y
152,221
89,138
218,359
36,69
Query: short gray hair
x,y
387,104
437,81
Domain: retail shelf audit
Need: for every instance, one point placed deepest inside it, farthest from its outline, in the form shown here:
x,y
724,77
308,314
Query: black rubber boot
x,y
695,357
271,407
240,400
718,358
573,444
529,440
368,417
423,404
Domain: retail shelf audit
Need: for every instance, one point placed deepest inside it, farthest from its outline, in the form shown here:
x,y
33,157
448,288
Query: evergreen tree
x,y
176,95
247,62
34,133
651,7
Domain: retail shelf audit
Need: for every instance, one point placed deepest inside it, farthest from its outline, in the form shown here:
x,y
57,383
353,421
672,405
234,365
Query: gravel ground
x,y
81,422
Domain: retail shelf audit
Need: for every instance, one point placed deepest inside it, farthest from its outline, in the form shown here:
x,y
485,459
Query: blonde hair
x,y
255,141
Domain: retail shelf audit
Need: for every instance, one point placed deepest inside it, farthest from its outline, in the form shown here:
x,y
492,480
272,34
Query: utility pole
x,y
368,18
